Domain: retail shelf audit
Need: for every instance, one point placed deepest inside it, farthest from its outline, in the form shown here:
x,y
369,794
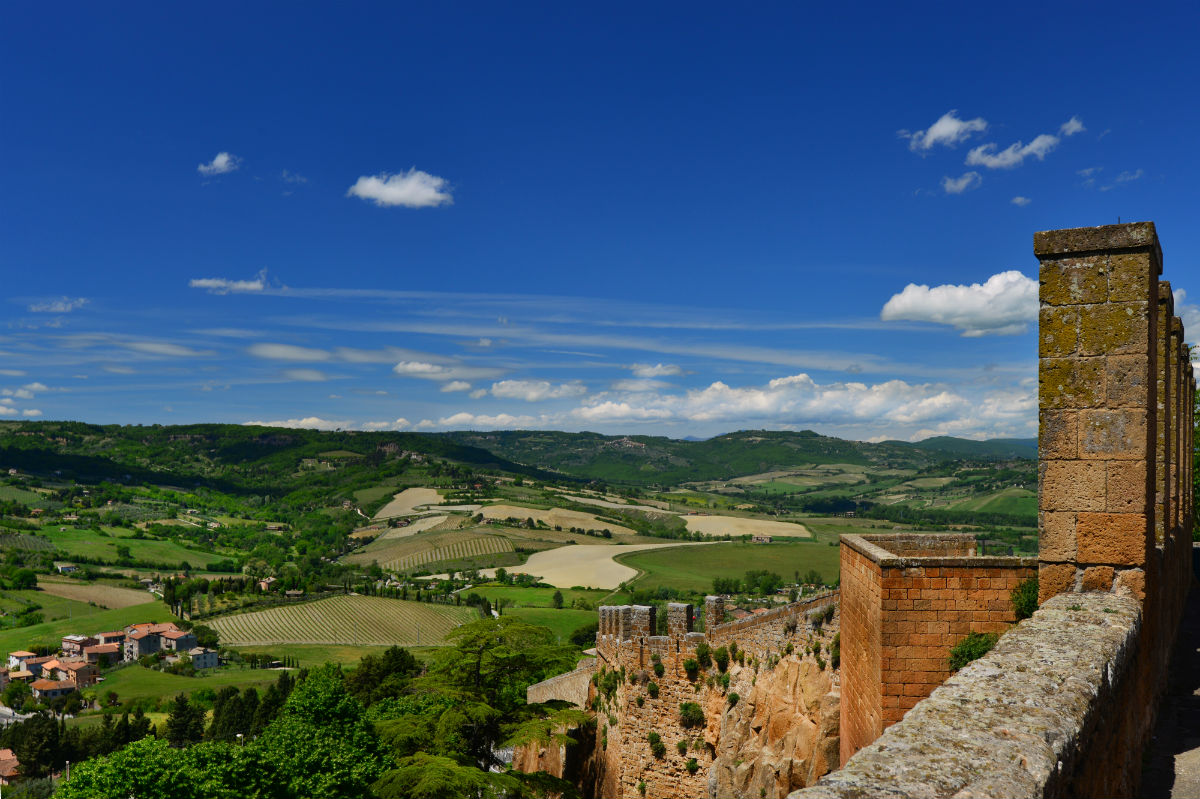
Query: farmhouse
x,y
10,767
110,651
51,689
177,640
16,660
75,644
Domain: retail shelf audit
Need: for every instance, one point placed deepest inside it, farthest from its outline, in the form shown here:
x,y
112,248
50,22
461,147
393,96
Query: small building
x,y
294,593
66,568
761,539
112,637
10,767
79,672
141,643
177,640
266,583
16,660
23,675
73,645
51,689
35,664
203,658
110,651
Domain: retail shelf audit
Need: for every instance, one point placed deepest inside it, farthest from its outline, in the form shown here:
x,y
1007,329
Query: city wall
x,y
1064,705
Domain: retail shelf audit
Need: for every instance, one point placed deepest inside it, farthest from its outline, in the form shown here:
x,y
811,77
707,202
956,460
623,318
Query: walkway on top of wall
x,y
1173,767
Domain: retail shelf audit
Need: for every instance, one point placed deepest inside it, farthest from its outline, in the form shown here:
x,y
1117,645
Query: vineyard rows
x,y
481,545
350,619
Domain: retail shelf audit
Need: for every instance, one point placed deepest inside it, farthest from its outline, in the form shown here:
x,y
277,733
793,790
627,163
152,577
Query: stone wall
x,y
1064,705
569,687
908,599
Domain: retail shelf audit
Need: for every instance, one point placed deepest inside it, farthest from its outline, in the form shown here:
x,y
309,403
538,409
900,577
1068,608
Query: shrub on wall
x,y
1025,598
691,667
720,656
652,689
973,647
692,765
659,669
733,698
691,714
703,655
657,747
681,747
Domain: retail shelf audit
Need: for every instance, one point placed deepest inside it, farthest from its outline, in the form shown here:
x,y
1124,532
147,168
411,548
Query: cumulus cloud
x,y
1013,155
6,410
307,423
31,412
537,390
305,375
220,285
1188,313
411,189
456,385
478,393
399,424
1071,127
443,372
968,180
60,305
222,163
634,386
19,393
948,131
655,370
287,352
36,387
471,421
1021,201
1004,305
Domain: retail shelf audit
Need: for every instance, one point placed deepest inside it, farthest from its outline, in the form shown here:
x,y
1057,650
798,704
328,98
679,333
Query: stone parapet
x,y
1034,717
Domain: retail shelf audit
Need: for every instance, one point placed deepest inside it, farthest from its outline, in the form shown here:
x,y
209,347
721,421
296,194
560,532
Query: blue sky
x,y
673,219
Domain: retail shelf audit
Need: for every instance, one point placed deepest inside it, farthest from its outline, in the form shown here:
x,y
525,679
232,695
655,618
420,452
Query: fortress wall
x,y
1064,705
569,687
908,599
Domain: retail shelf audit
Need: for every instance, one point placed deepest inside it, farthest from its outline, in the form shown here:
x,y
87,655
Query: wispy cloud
x,y
292,177
1188,313
456,385
165,349
948,131
220,285
1021,201
411,189
1004,305
968,180
287,352
443,372
60,305
1015,154
305,375
398,424
307,423
13,372
1071,127
537,390
221,164
1128,177
656,370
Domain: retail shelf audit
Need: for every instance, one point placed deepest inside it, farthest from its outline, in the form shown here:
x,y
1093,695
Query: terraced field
x,y
351,619
409,553
465,548
28,542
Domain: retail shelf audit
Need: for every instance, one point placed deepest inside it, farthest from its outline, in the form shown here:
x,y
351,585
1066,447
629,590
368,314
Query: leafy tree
x,y
380,676
24,579
557,600
185,724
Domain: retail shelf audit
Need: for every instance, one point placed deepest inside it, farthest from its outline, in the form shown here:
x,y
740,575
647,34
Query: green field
x,y
77,542
1016,501
518,596
343,620
31,499
51,632
562,622
693,568
53,607
135,682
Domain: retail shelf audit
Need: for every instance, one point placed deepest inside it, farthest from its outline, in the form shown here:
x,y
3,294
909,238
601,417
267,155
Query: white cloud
x,y
7,401
1089,172
537,390
635,386
1013,155
222,163
60,305
305,375
443,372
411,189
12,372
1021,201
470,421
164,348
31,412
19,393
478,393
36,387
969,180
456,385
949,130
307,423
220,285
1127,177
484,342
1071,127
292,177
1004,305
7,411
1188,313
287,352
655,370
399,424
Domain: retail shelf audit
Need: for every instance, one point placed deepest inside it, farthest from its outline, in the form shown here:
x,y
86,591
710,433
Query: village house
x,y
266,583
79,672
73,645
110,651
35,664
113,637
203,658
24,675
10,767
51,689
141,643
177,640
16,660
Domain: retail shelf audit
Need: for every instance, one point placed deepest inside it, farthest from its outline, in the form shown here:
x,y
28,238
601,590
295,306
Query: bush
x,y
704,655
691,667
692,766
1025,598
691,714
725,681
652,689
659,669
720,656
733,698
657,747
641,700
681,747
835,650
973,647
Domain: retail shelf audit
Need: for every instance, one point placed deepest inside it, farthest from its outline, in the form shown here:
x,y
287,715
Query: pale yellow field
x,y
107,596
417,526
605,503
589,566
555,516
735,525
405,503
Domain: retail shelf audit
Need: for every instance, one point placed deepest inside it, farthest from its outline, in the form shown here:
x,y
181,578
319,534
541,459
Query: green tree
x,y
185,724
557,600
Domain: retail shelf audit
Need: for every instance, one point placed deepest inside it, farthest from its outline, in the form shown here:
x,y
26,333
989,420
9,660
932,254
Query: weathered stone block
x,y
1132,277
1098,578
1118,433
1058,435
1071,382
1127,381
1071,485
1129,235
1073,281
1056,541
1058,331
1133,582
1115,329
1054,579
1127,490
1112,538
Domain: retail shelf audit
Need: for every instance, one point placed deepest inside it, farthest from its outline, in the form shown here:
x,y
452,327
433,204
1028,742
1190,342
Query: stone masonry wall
x,y
908,599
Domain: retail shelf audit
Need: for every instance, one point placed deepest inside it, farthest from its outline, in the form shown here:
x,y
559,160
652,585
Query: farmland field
x,y
560,517
343,620
24,496
737,525
523,596
562,622
53,607
135,682
51,632
693,569
1010,500
408,554
27,542
406,502
108,596
589,566
76,542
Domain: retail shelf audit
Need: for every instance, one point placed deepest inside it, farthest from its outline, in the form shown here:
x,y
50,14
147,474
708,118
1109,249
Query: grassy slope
x,y
520,596
693,568
135,682
86,543
51,632
562,622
